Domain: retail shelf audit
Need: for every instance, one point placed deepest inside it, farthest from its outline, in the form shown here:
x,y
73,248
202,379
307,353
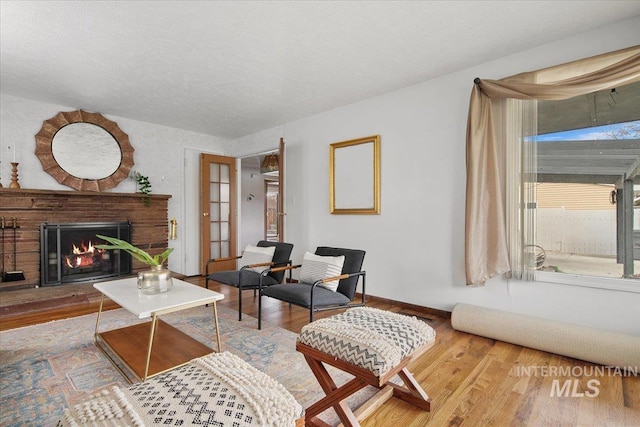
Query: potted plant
x,y
144,187
154,281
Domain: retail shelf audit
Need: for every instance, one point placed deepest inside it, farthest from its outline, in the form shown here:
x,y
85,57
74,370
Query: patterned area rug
x,y
45,368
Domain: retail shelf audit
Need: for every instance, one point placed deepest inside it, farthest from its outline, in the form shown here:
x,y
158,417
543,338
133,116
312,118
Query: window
x,y
588,184
501,161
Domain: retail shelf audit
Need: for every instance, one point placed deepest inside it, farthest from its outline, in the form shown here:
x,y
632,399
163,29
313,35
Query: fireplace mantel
x,y
34,207
5,192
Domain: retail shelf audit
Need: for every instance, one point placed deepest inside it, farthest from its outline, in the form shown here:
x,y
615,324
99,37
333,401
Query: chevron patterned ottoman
x,y
371,344
215,390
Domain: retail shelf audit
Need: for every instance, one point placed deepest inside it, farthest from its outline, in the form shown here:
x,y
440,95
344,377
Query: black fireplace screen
x,y
68,253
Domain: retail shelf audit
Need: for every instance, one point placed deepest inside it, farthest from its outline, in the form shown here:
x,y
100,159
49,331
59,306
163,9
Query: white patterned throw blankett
x,y
215,390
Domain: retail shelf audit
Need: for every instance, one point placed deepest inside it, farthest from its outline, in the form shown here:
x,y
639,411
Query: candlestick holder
x,y
14,175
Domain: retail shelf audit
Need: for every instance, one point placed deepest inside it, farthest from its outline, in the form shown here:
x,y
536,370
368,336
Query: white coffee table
x,y
134,346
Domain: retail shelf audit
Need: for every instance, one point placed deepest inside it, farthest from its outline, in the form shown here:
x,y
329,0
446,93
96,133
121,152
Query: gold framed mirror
x,y
355,176
84,150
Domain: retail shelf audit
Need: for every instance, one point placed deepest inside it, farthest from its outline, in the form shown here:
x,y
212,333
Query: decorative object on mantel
x,y
154,281
14,175
84,150
144,187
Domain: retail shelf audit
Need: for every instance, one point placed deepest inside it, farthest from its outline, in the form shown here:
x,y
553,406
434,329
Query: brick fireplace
x,y
33,208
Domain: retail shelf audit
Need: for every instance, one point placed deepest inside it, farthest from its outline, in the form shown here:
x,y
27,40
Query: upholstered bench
x,y
215,390
374,346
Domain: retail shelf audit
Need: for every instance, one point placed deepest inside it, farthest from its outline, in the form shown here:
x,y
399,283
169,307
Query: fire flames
x,y
84,256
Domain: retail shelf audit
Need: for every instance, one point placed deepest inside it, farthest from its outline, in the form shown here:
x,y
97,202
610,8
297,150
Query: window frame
x,y
597,282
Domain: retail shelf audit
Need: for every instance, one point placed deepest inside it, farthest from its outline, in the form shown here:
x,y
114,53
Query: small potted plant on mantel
x,y
154,281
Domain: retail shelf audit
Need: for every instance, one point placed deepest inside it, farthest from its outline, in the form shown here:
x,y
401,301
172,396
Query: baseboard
x,y
405,305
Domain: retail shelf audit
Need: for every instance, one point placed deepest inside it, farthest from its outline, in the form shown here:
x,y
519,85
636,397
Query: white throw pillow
x,y
316,267
256,255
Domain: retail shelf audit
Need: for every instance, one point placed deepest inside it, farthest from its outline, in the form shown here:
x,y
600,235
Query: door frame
x,y
281,192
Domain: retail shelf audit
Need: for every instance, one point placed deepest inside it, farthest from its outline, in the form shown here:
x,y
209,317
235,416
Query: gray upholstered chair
x,y
318,298
247,279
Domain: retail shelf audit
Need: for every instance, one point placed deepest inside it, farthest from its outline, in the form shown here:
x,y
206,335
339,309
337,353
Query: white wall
x,y
159,154
252,211
415,247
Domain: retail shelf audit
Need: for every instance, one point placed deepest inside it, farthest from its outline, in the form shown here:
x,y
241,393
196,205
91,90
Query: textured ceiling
x,y
233,68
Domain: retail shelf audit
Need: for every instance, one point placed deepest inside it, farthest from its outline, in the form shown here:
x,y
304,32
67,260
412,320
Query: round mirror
x,y
69,150
84,150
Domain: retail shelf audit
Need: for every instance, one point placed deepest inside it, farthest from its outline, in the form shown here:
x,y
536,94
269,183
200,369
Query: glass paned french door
x,y
218,215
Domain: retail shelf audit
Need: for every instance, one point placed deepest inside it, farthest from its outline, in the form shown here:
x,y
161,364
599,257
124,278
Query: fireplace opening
x,y
68,253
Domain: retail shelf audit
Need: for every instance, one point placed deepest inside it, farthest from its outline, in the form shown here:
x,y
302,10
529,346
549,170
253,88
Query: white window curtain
x,y
496,233
520,168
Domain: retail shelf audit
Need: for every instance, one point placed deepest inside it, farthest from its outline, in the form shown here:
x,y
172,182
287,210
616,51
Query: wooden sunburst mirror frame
x,y
44,152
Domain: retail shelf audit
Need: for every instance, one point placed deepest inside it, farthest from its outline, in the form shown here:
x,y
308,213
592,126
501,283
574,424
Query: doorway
x,y
247,205
262,192
256,205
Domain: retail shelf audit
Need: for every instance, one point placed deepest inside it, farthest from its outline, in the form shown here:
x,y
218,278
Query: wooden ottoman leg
x,y
334,396
412,392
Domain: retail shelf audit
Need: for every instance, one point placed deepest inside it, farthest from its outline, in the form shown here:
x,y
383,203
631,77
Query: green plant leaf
x,y
161,258
134,251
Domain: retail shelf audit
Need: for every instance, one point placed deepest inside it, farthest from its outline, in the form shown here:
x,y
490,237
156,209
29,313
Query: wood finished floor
x,y
472,380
